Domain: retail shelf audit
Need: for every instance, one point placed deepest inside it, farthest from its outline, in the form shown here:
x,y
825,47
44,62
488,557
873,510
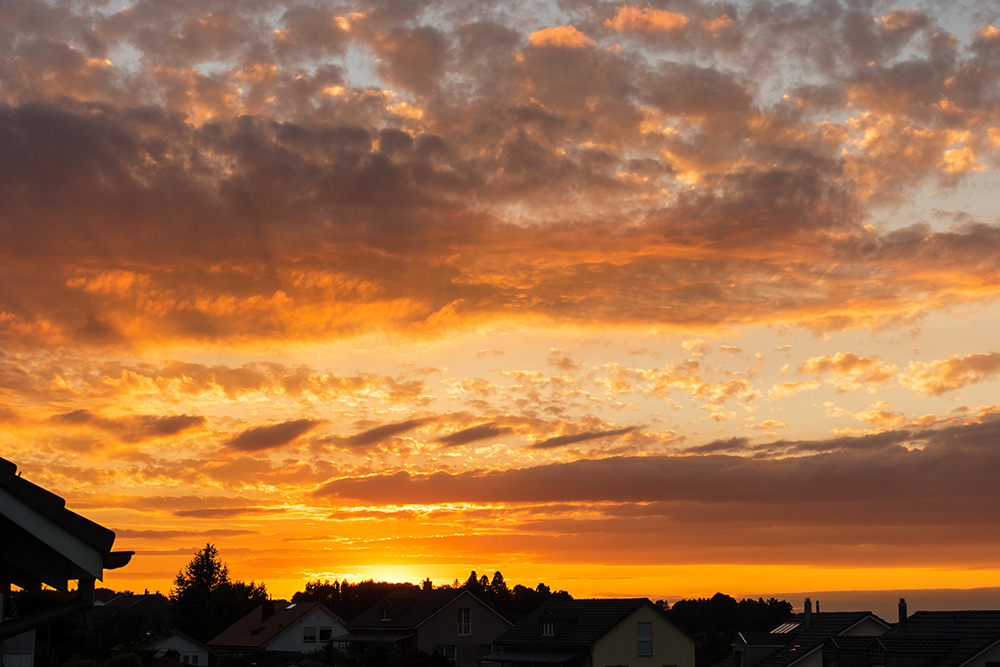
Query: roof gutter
x,y
83,601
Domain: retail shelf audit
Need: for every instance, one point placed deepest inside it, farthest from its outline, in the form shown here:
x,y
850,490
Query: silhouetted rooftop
x,y
577,622
804,640
34,558
764,638
54,508
254,631
796,640
928,631
404,611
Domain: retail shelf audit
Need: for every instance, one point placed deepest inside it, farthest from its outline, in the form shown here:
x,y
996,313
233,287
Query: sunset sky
x,y
647,299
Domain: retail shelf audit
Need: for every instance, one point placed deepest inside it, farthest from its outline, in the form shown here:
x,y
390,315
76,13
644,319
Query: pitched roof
x,y
928,631
583,622
855,644
145,604
255,631
19,526
54,508
177,633
407,611
921,646
804,640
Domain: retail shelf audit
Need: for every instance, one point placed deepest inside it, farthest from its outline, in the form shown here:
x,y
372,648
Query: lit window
x,y
548,629
464,622
309,634
644,636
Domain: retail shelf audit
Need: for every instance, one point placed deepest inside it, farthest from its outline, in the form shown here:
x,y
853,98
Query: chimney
x,y
902,612
267,610
817,606
428,585
808,611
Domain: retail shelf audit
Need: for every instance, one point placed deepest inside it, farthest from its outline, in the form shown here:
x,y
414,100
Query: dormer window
x,y
547,628
385,614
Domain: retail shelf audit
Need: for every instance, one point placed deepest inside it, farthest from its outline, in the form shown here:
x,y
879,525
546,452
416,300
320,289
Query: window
x,y
309,634
325,634
464,622
194,659
547,629
385,614
447,650
186,659
644,639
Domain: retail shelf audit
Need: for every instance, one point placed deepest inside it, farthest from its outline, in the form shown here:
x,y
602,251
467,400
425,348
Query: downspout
x,y
83,601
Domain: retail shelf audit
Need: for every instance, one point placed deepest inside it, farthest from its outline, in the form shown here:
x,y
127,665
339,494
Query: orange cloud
x,y
564,36
786,389
942,376
880,415
850,372
634,19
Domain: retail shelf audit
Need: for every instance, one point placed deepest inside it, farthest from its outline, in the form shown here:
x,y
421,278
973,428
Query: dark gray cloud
x,y
170,534
473,434
381,433
260,438
946,465
572,439
133,429
226,512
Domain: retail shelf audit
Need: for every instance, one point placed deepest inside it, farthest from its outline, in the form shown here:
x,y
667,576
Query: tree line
x,y
348,600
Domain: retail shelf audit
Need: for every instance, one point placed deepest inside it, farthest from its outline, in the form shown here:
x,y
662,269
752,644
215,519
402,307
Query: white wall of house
x,y
620,646
191,652
314,626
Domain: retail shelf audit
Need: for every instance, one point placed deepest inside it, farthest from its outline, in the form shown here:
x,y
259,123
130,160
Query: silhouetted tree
x,y
206,601
499,594
474,585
